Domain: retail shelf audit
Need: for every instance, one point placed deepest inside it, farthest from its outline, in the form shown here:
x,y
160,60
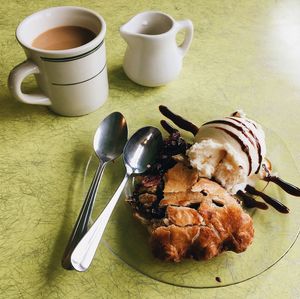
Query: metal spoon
x,y
109,141
140,151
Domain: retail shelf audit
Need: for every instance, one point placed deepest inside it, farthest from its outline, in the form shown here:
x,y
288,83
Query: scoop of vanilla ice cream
x,y
230,150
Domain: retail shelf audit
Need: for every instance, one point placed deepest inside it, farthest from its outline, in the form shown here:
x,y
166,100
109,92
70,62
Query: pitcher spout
x,y
127,34
146,24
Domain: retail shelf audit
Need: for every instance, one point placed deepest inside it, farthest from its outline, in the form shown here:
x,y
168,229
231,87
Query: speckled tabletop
x,y
245,54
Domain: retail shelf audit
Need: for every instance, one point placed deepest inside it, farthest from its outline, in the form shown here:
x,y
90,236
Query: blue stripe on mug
x,y
66,59
75,83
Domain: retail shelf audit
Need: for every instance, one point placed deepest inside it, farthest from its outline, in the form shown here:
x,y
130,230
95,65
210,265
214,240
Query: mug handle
x,y
15,79
187,25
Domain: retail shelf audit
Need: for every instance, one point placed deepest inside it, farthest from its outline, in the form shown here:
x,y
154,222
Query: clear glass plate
x,y
275,233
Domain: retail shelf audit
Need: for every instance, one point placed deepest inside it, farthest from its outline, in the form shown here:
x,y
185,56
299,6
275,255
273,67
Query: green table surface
x,y
245,54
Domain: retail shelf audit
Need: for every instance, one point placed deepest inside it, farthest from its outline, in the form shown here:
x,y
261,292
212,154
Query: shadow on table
x,y
73,203
11,109
118,80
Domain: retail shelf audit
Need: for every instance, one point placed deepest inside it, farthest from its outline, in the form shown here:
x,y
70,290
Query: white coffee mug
x,y
73,81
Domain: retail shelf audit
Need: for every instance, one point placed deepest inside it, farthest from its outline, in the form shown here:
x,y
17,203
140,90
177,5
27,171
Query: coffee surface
x,y
64,37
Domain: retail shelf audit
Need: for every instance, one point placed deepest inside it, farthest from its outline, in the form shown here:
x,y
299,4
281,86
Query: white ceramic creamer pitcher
x,y
153,57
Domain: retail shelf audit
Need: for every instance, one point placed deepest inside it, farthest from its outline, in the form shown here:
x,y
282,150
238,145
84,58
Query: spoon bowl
x,y
142,149
110,137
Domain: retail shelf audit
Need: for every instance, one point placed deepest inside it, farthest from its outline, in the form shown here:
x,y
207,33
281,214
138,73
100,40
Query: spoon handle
x,y
84,252
81,225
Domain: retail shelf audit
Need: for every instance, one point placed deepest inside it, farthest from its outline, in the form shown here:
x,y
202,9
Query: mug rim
x,y
94,42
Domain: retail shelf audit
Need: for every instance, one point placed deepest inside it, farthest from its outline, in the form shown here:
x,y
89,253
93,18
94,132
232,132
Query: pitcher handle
x,y
186,25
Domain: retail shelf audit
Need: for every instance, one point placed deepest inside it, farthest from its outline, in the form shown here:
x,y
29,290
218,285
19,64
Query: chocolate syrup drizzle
x,y
287,187
256,140
280,207
168,127
218,279
250,202
178,120
226,122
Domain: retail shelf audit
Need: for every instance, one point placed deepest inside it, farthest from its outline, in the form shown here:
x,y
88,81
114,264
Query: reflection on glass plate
x,y
275,233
